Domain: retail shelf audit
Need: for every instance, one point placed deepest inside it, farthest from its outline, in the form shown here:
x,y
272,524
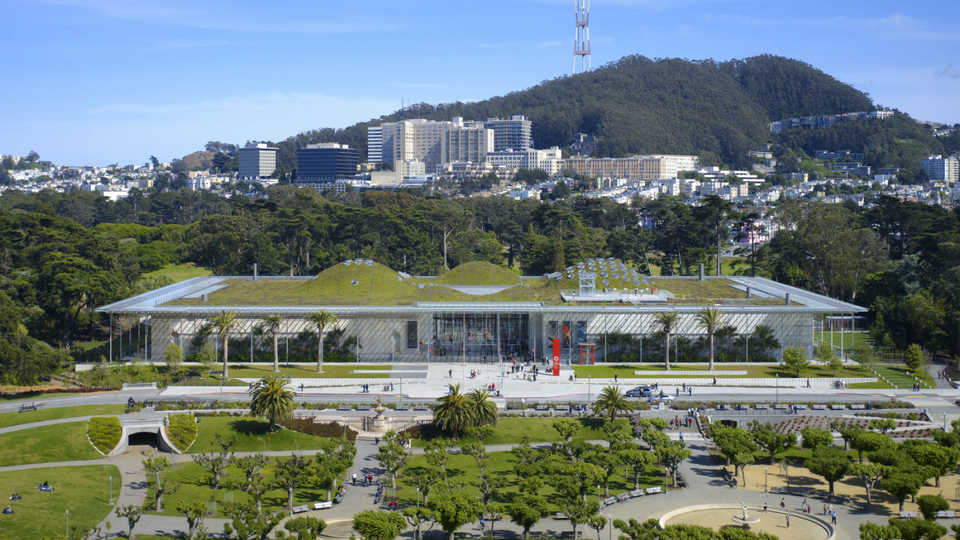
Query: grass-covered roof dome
x,y
479,273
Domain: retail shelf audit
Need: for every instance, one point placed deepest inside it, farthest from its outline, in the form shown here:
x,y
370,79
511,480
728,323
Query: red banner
x,y
556,357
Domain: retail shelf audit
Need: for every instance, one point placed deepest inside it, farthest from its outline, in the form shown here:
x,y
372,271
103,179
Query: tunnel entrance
x,y
144,439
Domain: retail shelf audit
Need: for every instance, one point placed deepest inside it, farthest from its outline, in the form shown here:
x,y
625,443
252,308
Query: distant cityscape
x,y
436,155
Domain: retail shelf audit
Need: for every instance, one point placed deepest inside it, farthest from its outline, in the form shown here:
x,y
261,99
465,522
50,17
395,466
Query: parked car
x,y
640,391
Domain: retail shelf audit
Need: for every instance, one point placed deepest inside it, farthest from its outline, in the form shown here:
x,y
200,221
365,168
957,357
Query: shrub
x,y
329,429
104,433
182,430
931,504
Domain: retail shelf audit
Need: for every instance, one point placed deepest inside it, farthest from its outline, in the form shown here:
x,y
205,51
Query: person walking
x,y
833,518
783,503
787,517
354,476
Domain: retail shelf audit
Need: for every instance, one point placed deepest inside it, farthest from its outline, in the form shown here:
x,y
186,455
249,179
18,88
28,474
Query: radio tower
x,y
581,39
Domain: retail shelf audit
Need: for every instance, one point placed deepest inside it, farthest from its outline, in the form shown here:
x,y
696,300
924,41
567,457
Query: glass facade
x,y
475,336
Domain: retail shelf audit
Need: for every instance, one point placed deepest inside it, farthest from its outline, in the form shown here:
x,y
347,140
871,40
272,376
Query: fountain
x,y
379,422
744,519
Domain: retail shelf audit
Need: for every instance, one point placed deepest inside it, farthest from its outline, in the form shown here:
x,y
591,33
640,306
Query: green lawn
x,y
851,340
479,273
83,490
27,417
251,435
192,480
59,442
753,370
902,377
512,430
173,273
463,469
330,370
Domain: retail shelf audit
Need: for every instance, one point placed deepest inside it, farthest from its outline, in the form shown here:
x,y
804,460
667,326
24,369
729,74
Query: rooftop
x,y
364,285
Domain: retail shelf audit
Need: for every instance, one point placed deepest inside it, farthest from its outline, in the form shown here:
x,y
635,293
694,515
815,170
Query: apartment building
x,y
256,160
514,133
375,144
942,168
654,167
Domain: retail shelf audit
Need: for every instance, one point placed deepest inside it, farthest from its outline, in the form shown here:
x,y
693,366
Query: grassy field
x,y
512,430
59,442
176,272
902,377
82,490
27,417
851,340
753,371
192,480
338,371
479,273
251,435
463,469
692,288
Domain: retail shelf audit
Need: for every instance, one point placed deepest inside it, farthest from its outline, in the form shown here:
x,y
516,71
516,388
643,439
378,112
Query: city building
x,y
942,168
375,144
325,162
514,133
469,142
655,167
823,121
417,139
422,319
549,160
256,160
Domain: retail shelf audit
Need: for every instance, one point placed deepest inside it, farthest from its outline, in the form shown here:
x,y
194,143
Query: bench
x,y
301,509
818,407
837,407
623,497
946,514
343,407
29,407
780,406
323,505
654,490
858,406
908,514
637,493
609,500
761,406
800,407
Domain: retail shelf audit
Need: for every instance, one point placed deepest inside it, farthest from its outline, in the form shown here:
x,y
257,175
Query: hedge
x,y
182,430
104,433
329,429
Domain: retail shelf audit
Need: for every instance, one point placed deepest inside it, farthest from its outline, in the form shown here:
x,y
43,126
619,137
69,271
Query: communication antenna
x,y
581,38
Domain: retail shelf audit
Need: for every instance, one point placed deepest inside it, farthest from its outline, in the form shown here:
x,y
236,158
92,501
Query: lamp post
x,y
110,477
765,479
67,527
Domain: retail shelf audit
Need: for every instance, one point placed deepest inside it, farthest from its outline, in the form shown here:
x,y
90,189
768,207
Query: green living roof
x,y
363,283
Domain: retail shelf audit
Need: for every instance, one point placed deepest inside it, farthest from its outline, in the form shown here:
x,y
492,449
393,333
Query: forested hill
x,y
639,105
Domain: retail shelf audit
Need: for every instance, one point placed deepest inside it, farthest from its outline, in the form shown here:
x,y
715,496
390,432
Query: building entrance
x,y
481,336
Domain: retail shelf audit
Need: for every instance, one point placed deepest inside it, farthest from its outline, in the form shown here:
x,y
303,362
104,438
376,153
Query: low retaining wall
x,y
827,528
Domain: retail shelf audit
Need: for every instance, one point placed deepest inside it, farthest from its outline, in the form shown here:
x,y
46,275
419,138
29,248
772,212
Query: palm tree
x,y
667,320
223,324
321,320
271,325
710,319
271,400
610,402
453,413
484,409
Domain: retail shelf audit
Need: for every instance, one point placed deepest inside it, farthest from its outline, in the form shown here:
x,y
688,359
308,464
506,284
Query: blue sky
x,y
104,81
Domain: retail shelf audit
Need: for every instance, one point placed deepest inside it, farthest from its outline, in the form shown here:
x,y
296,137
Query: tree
x,y
173,356
291,473
610,402
154,464
566,428
867,441
667,320
870,474
321,320
525,510
453,508
671,456
597,523
939,459
306,528
271,325
931,504
193,511
914,357
637,460
249,523
392,455
795,361
378,524
918,529
223,324
484,410
710,319
253,482
271,399
416,516
216,463
454,413
736,445
132,513
902,484
883,425
606,462
771,441
829,462
814,438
